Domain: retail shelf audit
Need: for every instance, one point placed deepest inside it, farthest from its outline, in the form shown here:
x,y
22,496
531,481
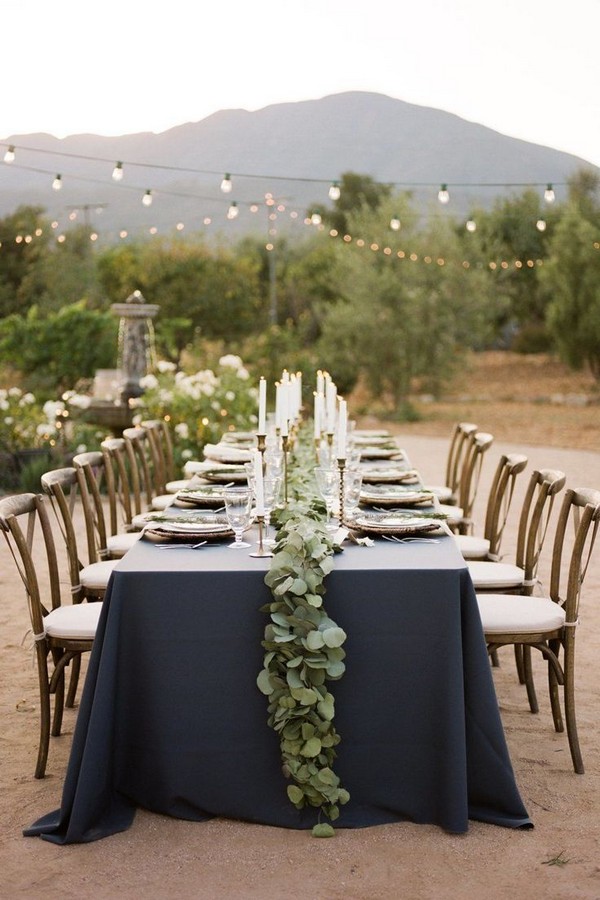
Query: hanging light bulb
x,y
316,218
9,156
232,212
540,225
118,172
147,198
395,223
57,183
443,195
549,195
226,184
334,191
471,226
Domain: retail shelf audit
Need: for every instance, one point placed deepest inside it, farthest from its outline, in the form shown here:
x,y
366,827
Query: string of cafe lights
x,y
226,182
392,253
234,206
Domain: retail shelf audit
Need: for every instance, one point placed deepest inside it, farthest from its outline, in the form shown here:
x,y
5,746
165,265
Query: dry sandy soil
x,y
160,857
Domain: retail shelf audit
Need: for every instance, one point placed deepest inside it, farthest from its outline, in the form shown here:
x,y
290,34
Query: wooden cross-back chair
x,y
549,624
94,471
522,575
126,480
61,632
459,518
159,433
462,435
88,581
487,545
476,446
143,460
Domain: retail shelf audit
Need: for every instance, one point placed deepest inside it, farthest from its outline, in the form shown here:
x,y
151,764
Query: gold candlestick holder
x,y
261,440
260,551
341,467
285,445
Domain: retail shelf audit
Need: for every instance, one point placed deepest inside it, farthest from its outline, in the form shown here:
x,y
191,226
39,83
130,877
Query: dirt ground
x,y
229,860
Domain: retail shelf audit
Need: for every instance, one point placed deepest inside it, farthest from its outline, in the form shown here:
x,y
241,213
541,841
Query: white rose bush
x,y
199,406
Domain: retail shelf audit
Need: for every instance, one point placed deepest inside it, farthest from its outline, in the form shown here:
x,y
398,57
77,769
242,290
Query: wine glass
x,y
271,493
327,483
352,489
238,508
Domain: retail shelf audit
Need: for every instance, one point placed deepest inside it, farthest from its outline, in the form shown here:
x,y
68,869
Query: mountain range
x,y
292,150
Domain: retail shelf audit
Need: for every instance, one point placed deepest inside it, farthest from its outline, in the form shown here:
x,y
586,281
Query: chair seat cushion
x,y
441,491
162,501
508,613
472,547
118,544
453,513
179,485
493,576
76,622
95,577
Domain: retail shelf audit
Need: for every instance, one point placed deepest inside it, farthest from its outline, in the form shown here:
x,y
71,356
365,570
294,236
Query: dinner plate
x,y
225,474
371,452
226,453
389,475
372,440
393,524
239,437
203,495
371,432
177,531
394,496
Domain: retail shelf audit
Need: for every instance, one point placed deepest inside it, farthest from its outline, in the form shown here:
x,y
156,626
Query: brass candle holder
x,y
341,467
285,445
260,551
261,440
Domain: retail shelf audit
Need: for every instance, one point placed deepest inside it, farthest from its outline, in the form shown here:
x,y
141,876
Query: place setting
x,y
392,525
395,495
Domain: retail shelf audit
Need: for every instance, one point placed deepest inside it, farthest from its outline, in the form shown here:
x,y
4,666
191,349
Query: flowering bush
x,y
23,423
201,406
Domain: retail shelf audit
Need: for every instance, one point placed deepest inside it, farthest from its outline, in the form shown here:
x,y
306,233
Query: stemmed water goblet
x,y
271,493
327,483
238,508
352,489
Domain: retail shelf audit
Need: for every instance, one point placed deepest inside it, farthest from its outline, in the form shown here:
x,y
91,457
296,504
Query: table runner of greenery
x,y
303,648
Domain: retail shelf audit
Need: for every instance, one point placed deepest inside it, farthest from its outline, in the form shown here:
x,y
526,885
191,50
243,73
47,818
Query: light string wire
x,y
270,177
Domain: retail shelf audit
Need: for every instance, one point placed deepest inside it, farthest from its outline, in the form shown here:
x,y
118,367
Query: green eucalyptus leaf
x,y
326,708
334,637
315,640
323,830
295,794
264,682
312,747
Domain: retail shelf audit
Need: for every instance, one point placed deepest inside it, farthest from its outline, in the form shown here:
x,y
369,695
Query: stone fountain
x,y
114,388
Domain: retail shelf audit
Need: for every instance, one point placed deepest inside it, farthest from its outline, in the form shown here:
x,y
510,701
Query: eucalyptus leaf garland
x,y
303,648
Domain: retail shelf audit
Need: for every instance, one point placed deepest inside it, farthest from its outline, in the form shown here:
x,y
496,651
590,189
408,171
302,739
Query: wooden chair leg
x,y
553,687
495,659
42,759
528,679
569,672
57,687
519,663
73,681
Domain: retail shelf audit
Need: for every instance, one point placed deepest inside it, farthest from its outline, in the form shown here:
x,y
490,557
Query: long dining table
x,y
171,719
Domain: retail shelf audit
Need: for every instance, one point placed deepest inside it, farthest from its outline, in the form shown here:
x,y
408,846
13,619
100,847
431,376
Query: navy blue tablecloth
x,y
171,719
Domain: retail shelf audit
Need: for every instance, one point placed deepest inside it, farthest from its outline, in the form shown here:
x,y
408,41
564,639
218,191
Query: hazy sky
x,y
527,68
